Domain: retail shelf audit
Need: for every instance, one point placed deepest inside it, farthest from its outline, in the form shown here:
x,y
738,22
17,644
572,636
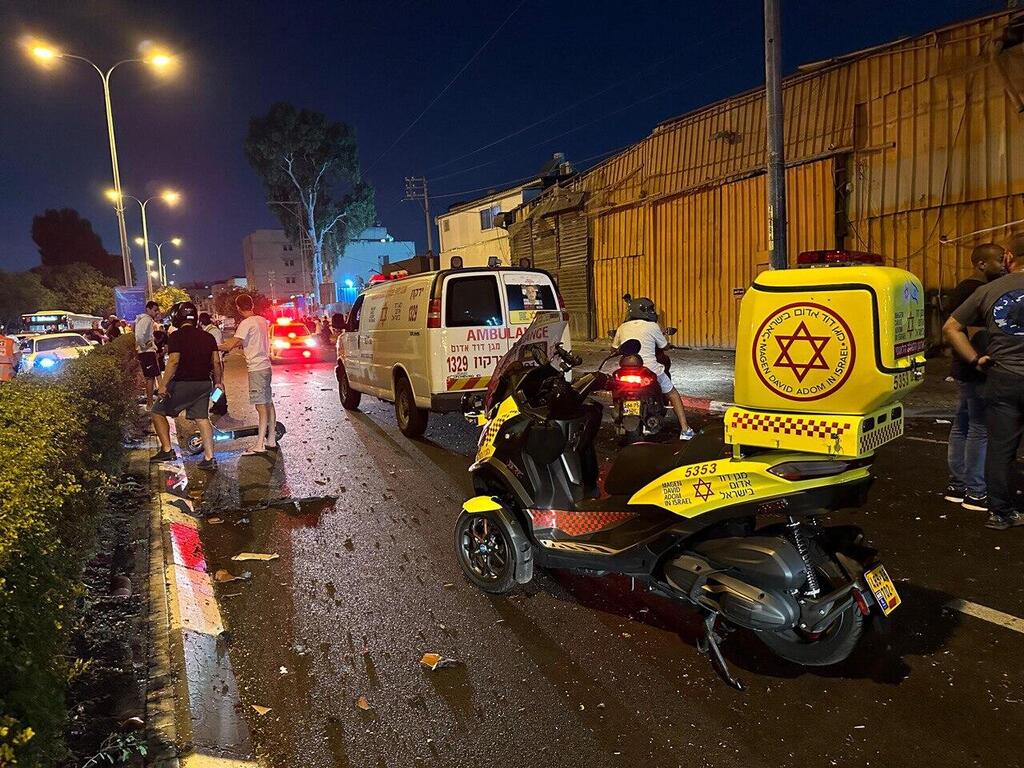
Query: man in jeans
x,y
968,435
145,348
253,336
193,369
998,306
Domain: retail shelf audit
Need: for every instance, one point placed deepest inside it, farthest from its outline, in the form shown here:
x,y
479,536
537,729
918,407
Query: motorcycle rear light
x,y
434,314
634,379
809,470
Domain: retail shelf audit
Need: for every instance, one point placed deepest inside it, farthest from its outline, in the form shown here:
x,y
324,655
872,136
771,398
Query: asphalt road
x,y
572,670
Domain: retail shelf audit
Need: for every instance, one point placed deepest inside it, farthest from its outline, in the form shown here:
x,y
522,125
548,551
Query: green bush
x,y
59,437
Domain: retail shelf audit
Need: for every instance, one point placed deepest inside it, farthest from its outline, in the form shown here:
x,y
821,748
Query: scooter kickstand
x,y
709,645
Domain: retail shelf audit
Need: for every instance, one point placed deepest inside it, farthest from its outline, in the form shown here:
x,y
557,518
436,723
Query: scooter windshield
x,y
535,347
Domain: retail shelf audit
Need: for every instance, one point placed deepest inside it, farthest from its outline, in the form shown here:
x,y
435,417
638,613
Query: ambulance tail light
x,y
434,314
835,258
795,471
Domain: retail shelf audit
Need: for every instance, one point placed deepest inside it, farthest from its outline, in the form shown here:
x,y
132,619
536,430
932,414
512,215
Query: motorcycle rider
x,y
642,324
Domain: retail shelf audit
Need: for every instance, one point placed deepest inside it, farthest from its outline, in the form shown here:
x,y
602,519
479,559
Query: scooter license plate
x,y
883,589
631,408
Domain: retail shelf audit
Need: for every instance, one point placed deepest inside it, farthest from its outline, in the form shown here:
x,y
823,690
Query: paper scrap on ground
x,y
260,710
255,556
362,703
434,661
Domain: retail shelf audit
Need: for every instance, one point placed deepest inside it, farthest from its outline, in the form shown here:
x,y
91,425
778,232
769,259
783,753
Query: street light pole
x,y
778,253
168,196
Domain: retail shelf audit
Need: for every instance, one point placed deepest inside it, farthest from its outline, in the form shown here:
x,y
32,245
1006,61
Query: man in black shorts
x,y
192,362
145,347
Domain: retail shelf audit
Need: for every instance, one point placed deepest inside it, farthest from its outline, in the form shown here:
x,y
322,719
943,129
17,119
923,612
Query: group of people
x,y
193,374
986,333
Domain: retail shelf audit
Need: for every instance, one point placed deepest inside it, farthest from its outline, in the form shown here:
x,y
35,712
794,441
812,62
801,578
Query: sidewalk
x,y
705,379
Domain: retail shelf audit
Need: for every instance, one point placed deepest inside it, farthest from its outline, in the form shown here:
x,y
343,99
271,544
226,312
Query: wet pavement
x,y
571,670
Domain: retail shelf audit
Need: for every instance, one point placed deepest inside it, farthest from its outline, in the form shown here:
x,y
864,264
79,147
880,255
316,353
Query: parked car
x,y
46,352
292,340
424,341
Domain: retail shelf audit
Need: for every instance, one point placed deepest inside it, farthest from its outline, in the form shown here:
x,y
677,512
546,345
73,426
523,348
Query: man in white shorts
x,y
642,325
253,336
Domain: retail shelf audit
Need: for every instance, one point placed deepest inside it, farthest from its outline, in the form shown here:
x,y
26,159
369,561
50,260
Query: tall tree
x,y
21,293
81,288
64,237
168,296
224,303
310,170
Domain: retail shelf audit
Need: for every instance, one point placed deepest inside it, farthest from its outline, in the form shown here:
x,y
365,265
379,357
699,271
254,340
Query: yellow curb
x,y
199,760
193,605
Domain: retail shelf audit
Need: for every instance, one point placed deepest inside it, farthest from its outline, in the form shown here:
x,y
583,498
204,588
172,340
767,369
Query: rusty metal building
x,y
906,149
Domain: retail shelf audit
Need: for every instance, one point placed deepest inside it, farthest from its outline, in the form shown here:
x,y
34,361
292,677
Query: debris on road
x,y
214,520
363,704
433,661
262,556
223,576
261,710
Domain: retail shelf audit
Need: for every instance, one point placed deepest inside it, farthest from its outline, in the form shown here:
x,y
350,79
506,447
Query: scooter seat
x,y
638,464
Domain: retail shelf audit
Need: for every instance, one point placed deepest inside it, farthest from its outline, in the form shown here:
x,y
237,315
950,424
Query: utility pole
x,y
416,189
778,255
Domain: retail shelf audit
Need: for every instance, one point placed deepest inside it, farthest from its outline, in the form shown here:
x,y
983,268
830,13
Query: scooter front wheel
x,y
486,552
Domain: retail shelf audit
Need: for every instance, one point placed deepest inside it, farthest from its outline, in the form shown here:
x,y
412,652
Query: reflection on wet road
x,y
572,670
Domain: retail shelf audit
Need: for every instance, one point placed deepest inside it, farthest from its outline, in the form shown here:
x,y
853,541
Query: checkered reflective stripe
x,y
879,436
790,425
471,382
578,522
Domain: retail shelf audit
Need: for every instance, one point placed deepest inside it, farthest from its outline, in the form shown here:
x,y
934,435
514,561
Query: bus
x,y
57,321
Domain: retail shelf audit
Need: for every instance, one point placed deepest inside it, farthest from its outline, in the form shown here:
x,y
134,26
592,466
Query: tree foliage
x,y
64,237
21,293
81,288
224,303
168,296
310,171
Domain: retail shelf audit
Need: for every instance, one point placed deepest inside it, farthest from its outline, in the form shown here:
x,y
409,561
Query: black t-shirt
x,y
196,348
999,307
962,370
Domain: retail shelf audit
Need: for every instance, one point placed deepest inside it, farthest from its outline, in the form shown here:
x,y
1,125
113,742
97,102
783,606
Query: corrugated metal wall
x,y
921,139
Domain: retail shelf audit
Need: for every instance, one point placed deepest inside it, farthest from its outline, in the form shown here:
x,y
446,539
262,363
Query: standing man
x,y
998,306
968,436
253,336
193,369
145,348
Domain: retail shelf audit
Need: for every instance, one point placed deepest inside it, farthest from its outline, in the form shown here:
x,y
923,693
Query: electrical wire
x,y
444,90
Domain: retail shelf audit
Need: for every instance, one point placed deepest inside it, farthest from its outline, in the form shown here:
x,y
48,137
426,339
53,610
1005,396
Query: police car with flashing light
x,y
47,352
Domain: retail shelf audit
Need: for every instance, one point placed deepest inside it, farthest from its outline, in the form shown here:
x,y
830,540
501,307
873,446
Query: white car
x,y
424,341
46,352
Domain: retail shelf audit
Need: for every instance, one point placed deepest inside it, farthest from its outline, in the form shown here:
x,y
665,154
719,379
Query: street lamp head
x,y
155,274
170,197
44,53
139,241
149,262
176,242
158,57
176,262
111,195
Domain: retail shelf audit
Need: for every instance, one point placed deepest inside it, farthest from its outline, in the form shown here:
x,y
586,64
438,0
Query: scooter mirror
x,y
630,347
670,330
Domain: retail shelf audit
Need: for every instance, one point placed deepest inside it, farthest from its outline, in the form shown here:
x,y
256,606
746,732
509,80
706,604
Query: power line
x,y
444,90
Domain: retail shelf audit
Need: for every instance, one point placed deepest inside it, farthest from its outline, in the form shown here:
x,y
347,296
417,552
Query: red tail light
x,y
633,378
434,314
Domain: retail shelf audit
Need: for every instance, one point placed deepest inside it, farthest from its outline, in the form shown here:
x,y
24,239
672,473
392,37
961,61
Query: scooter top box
x,y
845,340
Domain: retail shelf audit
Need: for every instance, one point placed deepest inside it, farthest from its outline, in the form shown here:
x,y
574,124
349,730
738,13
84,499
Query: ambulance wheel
x,y
412,420
486,552
349,397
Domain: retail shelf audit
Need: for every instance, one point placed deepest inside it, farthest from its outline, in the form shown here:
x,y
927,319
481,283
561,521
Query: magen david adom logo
x,y
804,351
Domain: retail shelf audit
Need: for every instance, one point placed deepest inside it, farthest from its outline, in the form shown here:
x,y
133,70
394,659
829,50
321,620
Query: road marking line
x,y
927,440
987,614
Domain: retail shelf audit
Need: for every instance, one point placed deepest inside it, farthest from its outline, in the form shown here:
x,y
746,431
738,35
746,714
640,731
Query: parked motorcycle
x,y
735,535
638,404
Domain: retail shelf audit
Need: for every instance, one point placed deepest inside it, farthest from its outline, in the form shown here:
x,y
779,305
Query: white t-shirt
x,y
255,335
144,326
650,337
214,331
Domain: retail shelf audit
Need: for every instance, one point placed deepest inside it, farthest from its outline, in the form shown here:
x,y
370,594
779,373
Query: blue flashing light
x,y
46,362
349,284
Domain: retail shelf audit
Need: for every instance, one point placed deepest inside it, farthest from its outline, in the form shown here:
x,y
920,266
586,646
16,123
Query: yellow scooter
x,y
729,522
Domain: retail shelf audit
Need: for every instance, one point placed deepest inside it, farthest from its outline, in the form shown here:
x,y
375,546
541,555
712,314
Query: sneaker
x,y
1016,519
975,503
954,493
997,522
207,464
168,455
687,434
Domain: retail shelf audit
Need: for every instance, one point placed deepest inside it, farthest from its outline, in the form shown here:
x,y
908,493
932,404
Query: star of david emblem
x,y
802,336
702,490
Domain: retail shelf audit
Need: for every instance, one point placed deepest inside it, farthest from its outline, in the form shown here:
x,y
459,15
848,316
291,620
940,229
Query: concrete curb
x,y
196,717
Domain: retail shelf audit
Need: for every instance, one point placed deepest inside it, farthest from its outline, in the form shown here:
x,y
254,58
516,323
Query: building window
x,y
287,248
487,216
289,262
290,280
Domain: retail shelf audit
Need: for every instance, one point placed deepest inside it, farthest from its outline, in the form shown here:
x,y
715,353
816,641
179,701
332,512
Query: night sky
x,y
603,72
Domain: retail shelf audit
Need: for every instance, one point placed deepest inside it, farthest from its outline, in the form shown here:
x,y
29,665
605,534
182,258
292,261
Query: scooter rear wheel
x,y
486,552
837,641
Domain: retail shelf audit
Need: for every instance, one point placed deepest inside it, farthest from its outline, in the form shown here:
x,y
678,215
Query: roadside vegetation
x,y
61,445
